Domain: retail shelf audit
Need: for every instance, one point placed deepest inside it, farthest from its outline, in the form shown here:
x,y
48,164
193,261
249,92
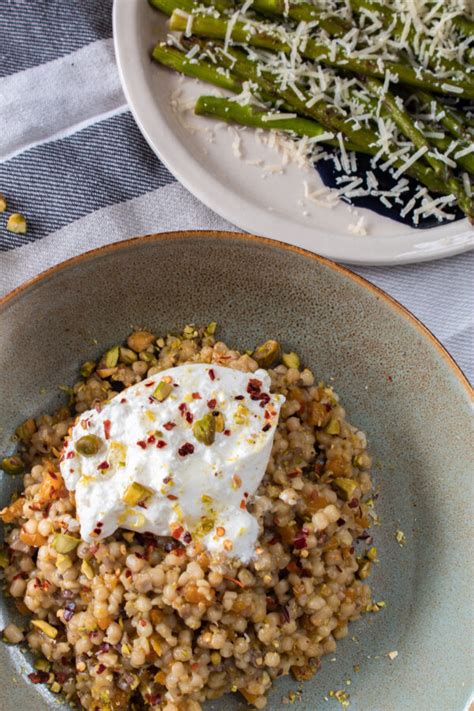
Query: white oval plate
x,y
200,153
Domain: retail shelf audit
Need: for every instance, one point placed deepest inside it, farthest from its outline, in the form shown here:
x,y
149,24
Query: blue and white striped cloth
x,y
73,161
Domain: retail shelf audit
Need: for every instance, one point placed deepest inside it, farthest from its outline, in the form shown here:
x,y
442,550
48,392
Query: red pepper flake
x,y
185,449
273,541
38,677
141,443
169,425
179,551
152,399
103,465
267,415
171,497
187,538
166,480
212,403
246,494
227,433
151,439
101,669
176,533
353,503
243,504
254,386
294,474
149,385
53,475
128,573
142,505
234,580
107,425
239,397
293,567
212,375
161,443
264,399
301,540
189,417
123,400
69,455
266,427
196,396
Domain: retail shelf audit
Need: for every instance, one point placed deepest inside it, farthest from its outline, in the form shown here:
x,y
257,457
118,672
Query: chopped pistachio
x,y
63,543
26,430
267,354
333,427
127,356
147,357
365,567
42,664
291,360
106,372
140,340
210,329
219,422
400,538
372,554
135,492
215,658
241,415
87,368
17,223
55,687
345,487
3,203
111,357
46,628
4,558
87,569
205,429
162,390
88,445
12,465
63,562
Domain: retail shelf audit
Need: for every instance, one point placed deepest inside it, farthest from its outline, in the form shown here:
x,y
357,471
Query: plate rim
x,y
251,217
379,293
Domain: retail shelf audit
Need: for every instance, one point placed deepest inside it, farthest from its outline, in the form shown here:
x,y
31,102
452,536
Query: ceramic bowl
x,y
395,380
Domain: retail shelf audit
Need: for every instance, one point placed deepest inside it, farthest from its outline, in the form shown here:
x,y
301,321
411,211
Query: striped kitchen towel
x,y
73,161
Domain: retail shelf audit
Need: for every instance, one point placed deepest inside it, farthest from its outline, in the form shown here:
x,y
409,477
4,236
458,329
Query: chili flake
x,y
161,443
185,449
196,396
169,425
212,403
107,425
266,427
212,375
141,443
176,532
103,465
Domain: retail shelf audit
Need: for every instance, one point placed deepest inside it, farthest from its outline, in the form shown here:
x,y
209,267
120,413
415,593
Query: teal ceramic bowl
x,y
395,380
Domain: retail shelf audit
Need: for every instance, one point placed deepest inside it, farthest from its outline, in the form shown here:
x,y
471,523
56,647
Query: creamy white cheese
x,y
193,491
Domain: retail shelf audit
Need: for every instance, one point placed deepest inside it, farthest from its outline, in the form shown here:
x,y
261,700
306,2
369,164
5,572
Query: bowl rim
x,y
255,239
